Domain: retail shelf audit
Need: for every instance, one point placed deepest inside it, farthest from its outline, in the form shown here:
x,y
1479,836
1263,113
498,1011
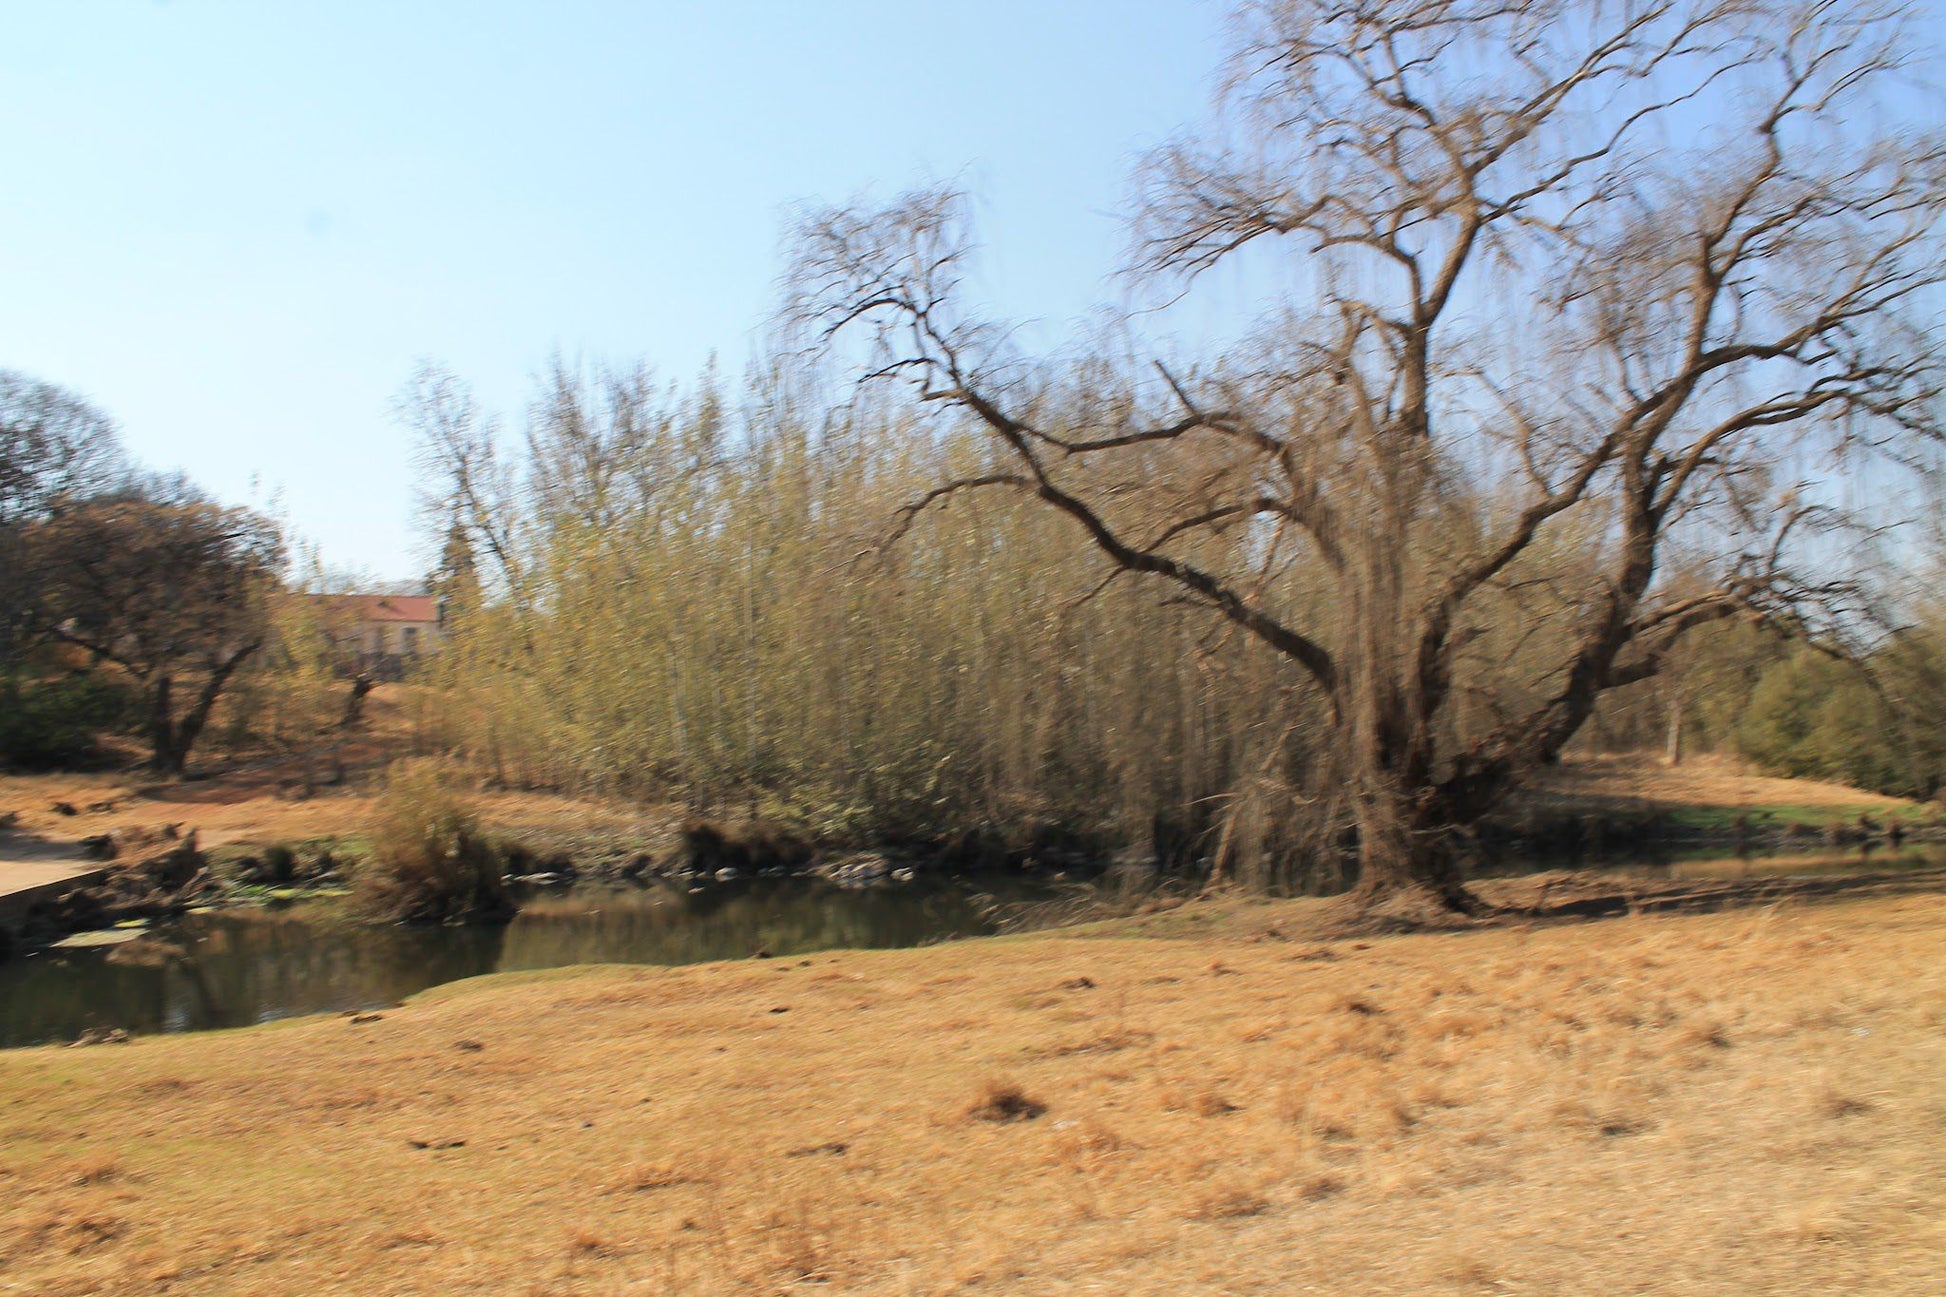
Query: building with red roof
x,y
385,633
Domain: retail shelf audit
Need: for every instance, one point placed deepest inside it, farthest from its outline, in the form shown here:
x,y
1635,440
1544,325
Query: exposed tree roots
x,y
1411,907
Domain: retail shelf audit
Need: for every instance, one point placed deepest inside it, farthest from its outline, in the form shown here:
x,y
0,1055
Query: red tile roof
x,y
386,607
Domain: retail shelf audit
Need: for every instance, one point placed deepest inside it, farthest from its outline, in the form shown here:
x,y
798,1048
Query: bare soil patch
x,y
1707,780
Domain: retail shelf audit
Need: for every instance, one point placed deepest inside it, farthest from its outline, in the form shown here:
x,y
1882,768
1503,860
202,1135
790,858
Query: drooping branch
x,y
1301,648
1482,204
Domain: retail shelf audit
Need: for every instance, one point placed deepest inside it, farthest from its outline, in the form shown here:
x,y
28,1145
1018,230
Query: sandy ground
x,y
269,803
44,865
1746,1101
1704,780
239,811
29,862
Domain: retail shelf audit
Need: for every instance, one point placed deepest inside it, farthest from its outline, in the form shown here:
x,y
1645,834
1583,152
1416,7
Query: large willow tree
x,y
1581,284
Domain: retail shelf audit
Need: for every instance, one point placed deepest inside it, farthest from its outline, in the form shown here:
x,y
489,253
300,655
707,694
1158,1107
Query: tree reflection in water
x,y
237,967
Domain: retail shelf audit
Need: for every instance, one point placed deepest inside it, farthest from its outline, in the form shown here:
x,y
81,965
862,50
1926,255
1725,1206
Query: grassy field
x,y
1710,792
1749,1100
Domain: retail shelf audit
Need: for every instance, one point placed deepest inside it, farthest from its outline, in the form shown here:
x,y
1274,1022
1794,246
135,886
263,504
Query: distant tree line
x,y
1873,717
128,601
729,599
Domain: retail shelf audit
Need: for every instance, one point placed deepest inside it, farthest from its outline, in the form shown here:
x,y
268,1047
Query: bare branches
x,y
458,449
1586,275
909,513
852,271
53,444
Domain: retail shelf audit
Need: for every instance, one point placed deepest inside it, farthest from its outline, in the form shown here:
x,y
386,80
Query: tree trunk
x,y
162,731
1410,868
1672,741
170,739
191,725
1409,863
355,704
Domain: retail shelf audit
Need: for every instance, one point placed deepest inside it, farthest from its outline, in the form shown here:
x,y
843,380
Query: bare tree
x,y
53,446
470,493
171,591
1583,282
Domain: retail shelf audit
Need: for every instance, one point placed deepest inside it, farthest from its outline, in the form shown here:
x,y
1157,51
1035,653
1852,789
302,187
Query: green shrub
x,y
1813,717
280,863
50,724
429,862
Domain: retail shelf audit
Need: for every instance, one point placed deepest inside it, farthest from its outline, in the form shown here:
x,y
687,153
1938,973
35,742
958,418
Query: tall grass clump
x,y
429,862
686,597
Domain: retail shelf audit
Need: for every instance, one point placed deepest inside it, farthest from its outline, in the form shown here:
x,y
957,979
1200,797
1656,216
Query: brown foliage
x,y
430,862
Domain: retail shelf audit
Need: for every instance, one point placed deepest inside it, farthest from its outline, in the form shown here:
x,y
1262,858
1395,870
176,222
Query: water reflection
x,y
1869,858
239,967
234,968
1712,863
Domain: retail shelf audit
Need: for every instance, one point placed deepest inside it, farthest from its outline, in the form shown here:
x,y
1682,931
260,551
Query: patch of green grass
x,y
345,849
1723,819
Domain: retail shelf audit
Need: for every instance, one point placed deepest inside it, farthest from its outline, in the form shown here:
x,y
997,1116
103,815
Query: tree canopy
x,y
1588,286
172,591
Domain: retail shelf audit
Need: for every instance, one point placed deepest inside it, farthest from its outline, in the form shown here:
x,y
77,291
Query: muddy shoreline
x,y
154,875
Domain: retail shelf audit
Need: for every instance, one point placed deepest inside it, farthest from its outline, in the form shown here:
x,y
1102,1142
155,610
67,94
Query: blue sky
x,y
236,225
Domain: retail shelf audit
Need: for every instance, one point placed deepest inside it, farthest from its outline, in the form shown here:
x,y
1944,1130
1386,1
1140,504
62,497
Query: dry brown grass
x,y
1751,1100
263,820
260,804
1002,1101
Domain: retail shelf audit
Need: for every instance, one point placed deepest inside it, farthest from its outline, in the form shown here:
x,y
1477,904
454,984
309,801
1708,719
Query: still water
x,y
231,968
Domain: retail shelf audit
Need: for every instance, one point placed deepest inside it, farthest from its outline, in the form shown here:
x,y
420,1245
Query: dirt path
x,y
34,868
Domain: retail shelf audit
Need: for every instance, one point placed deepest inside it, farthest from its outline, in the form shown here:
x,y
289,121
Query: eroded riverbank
x,y
246,964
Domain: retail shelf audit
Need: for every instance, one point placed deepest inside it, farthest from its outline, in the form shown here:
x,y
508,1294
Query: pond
x,y
235,967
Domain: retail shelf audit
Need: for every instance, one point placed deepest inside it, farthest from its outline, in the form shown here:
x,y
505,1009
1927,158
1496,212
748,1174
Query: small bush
x,y
52,724
280,863
429,861
1003,1101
